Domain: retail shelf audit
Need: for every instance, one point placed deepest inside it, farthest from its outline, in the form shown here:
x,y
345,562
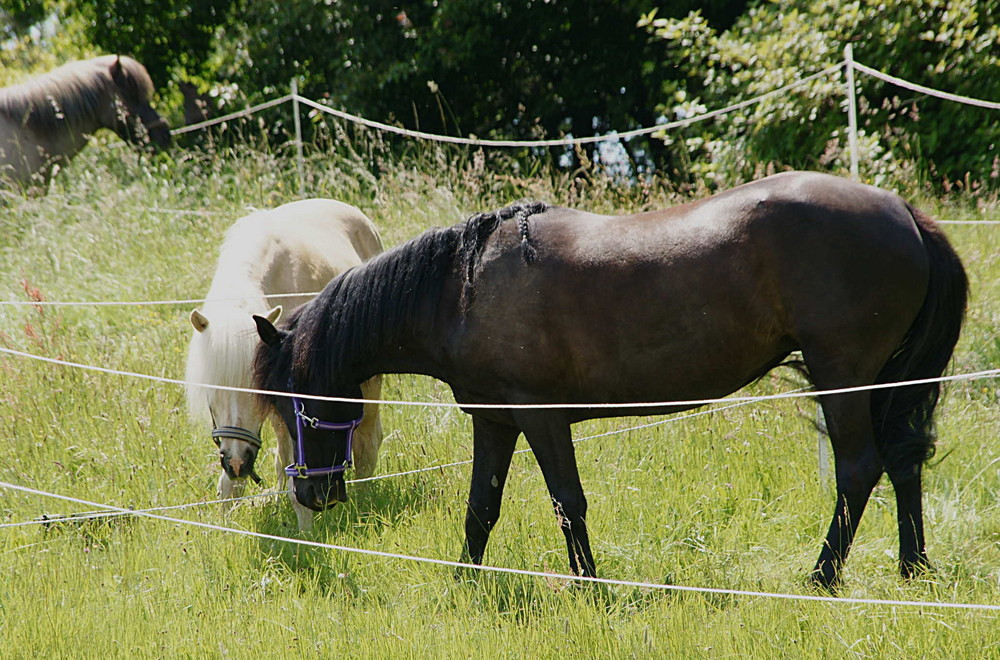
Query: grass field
x,y
729,500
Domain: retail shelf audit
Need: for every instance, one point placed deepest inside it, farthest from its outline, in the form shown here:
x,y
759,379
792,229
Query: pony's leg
x,y
369,436
285,457
229,488
910,518
493,447
552,443
858,469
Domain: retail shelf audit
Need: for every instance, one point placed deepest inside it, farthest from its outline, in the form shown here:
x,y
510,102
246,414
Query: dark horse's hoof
x,y
913,569
826,580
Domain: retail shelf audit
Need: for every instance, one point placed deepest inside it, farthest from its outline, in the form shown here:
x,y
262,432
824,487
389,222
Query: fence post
x,y
298,137
852,112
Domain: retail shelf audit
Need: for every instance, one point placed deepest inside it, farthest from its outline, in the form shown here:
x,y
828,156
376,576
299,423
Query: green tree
x,y
953,46
172,38
519,69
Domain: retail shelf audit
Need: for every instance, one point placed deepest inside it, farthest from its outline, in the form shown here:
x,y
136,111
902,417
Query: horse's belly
x,y
640,351
19,156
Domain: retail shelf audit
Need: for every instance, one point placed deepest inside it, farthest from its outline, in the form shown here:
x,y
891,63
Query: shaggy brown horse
x,y
47,120
541,305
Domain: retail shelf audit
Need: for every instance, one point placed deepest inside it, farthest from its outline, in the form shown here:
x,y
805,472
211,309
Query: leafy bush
x,y
903,135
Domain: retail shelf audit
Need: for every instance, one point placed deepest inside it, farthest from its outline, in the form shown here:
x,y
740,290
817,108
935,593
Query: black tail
x,y
903,416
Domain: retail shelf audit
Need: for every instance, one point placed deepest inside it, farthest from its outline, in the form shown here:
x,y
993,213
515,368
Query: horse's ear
x,y
198,320
116,68
269,334
274,314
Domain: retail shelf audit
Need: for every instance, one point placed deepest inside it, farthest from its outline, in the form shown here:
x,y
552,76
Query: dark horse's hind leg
x,y
493,446
858,468
549,435
910,517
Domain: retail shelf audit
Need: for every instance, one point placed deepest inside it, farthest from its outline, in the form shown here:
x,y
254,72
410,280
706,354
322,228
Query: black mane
x,y
378,302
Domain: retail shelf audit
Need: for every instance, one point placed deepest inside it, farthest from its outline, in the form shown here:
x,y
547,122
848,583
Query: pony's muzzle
x,y
237,459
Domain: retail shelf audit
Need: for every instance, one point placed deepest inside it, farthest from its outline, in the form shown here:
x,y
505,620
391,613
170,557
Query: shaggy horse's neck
x,y
379,317
394,313
237,286
70,97
244,273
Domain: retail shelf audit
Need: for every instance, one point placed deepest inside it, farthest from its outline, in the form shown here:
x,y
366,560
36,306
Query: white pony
x,y
295,248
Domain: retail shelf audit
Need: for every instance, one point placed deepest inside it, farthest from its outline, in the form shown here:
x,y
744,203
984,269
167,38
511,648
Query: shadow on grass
x,y
522,597
373,509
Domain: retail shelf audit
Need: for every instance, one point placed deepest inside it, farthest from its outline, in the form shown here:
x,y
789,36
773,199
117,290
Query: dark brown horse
x,y
47,120
536,304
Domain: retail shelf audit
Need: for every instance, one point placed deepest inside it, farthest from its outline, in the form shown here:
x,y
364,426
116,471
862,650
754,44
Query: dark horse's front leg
x,y
493,446
549,435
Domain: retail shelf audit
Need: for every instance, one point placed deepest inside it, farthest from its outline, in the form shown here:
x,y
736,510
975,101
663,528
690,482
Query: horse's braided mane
x,y
72,93
481,226
377,303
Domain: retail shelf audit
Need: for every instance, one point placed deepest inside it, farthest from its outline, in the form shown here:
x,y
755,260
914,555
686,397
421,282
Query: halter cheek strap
x,y
299,469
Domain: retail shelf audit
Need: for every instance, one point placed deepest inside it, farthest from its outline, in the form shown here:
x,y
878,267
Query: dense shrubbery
x,y
952,46
532,68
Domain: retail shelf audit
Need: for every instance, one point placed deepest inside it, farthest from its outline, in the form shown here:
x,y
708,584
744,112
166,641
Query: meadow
x,y
733,499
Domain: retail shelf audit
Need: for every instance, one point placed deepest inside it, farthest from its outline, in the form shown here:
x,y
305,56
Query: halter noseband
x,y
299,469
237,433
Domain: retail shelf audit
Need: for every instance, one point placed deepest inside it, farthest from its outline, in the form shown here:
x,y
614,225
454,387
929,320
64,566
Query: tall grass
x,y
727,500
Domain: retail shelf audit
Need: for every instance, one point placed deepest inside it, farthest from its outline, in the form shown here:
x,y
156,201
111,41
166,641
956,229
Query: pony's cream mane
x,y
243,261
223,353
73,93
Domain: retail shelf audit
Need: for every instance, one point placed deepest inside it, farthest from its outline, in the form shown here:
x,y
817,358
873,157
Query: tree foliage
x,y
525,69
952,46
519,69
167,36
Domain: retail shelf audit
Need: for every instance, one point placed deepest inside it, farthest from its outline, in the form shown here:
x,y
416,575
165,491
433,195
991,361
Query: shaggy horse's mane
x,y
370,305
73,93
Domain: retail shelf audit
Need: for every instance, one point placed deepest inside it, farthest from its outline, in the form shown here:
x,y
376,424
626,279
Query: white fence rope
x,y
140,303
623,135
875,73
509,571
614,135
685,403
91,515
254,109
83,516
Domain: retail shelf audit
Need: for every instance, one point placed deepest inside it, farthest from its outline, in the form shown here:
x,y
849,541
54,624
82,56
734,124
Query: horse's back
x,y
328,228
700,298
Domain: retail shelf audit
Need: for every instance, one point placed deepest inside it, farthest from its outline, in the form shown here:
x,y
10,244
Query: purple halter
x,y
299,470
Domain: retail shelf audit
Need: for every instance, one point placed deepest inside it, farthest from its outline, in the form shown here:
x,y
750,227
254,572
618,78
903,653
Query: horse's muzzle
x,y
320,493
